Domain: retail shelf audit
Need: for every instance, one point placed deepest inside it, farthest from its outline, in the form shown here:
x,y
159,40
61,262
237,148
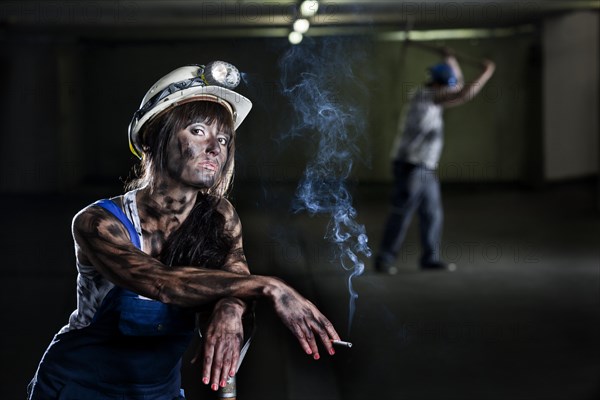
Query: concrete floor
x,y
519,319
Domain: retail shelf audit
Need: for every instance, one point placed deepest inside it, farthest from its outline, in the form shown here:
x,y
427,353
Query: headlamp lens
x,y
223,74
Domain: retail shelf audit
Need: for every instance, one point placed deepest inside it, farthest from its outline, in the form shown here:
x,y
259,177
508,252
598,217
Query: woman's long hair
x,y
202,239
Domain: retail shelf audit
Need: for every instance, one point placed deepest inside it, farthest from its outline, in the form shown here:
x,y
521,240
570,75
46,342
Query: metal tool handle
x,y
229,391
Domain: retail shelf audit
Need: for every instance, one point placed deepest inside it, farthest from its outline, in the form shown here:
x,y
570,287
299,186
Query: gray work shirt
x,y
421,131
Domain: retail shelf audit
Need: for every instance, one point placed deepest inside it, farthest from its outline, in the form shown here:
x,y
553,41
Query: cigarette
x,y
342,343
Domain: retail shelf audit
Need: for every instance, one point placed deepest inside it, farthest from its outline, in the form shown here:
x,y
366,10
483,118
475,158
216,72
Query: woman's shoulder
x,y
97,209
225,207
219,202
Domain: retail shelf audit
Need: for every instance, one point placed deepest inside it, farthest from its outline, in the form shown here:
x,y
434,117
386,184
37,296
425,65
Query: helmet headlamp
x,y
221,73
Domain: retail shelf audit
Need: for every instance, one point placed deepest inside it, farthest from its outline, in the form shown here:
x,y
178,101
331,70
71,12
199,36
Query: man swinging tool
x,y
416,154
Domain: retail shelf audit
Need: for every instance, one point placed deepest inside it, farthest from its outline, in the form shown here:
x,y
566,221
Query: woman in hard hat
x,y
149,259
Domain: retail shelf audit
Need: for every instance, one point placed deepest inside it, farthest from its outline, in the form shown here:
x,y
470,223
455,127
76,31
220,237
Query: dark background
x,y
520,317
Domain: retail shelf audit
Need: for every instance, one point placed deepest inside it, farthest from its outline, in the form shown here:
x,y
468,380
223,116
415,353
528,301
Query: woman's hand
x,y
304,320
222,342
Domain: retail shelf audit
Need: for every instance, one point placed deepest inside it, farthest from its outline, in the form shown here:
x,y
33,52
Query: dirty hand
x,y
222,343
304,320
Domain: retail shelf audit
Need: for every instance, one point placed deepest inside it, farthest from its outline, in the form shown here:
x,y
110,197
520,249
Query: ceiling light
x,y
308,8
295,37
301,25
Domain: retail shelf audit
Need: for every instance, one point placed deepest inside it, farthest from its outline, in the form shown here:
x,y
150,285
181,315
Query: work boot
x,y
385,268
438,266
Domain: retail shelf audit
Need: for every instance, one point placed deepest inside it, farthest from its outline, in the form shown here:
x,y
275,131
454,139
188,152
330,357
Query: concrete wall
x,y
488,139
69,102
571,145
28,143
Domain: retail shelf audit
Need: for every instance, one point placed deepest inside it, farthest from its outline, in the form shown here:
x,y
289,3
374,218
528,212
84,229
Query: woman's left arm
x,y
225,332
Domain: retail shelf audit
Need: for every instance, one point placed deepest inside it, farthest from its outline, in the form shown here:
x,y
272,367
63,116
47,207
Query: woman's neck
x,y
164,207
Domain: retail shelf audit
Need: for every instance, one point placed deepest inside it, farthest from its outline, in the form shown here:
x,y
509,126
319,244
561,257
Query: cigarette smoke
x,y
318,79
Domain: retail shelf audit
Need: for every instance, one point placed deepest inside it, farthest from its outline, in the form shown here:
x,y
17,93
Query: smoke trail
x,y
319,80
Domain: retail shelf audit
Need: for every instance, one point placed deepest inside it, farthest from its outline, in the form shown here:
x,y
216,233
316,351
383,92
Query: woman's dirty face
x,y
197,154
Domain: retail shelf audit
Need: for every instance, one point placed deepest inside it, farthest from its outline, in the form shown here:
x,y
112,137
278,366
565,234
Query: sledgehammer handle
x,y
443,50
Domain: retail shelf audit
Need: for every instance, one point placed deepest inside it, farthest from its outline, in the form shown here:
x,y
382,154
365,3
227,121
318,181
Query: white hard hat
x,y
212,82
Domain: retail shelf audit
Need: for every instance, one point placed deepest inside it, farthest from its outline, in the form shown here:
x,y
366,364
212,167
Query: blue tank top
x,y
131,350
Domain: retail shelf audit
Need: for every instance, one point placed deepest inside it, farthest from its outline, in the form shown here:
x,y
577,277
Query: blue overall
x,y
131,350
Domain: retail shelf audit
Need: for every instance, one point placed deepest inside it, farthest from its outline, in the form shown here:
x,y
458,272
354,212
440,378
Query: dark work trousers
x,y
415,188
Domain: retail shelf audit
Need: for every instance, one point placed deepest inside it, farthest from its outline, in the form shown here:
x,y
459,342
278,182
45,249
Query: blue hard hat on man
x,y
442,74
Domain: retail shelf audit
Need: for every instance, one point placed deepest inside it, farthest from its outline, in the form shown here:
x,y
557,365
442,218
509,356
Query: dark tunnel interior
x,y
518,319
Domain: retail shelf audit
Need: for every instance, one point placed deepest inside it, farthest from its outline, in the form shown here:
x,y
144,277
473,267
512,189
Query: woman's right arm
x,y
102,240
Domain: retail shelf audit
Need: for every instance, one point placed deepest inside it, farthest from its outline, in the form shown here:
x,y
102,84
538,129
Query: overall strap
x,y
114,209
111,301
